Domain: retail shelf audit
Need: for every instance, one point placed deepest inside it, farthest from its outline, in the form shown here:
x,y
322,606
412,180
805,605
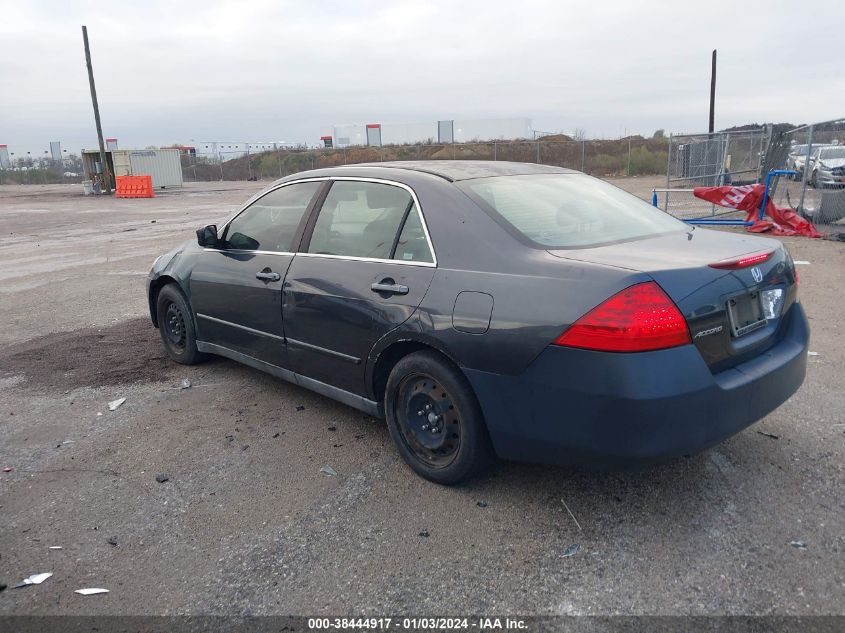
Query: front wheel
x,y
435,419
177,327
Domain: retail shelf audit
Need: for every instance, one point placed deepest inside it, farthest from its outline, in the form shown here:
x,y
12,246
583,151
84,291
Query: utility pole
x,y
712,92
106,176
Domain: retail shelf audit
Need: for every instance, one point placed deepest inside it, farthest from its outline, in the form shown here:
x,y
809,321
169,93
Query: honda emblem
x,y
757,274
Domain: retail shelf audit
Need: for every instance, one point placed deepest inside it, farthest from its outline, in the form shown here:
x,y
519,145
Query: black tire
x,y
176,326
435,420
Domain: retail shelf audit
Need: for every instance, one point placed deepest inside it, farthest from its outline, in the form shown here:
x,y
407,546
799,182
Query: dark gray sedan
x,y
487,308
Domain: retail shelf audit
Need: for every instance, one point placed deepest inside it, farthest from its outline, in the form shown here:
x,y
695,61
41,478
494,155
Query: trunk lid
x,y
723,308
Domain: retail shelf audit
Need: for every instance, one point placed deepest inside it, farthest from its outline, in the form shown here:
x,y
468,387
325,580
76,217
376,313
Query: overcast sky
x,y
168,72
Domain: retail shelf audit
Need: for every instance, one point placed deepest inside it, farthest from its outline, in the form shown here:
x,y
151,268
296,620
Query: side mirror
x,y
207,236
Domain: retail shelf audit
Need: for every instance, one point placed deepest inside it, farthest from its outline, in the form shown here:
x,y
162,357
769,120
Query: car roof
x,y
454,170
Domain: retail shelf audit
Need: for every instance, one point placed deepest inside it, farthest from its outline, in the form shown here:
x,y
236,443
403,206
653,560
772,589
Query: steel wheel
x,y
429,421
174,327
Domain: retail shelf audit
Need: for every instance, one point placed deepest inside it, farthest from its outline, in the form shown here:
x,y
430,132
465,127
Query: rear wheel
x,y
177,327
435,420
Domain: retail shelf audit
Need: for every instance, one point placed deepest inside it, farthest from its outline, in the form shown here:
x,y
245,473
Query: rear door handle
x,y
394,289
268,276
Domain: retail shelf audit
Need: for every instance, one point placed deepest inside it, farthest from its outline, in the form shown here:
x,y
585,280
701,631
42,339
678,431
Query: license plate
x,y
746,314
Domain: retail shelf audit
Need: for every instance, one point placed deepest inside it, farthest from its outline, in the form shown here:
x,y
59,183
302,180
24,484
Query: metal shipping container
x,y
164,165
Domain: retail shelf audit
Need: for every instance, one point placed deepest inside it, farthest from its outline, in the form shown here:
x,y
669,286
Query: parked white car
x,y
828,167
796,159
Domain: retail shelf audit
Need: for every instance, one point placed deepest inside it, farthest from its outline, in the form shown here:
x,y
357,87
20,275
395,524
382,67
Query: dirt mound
x,y
129,351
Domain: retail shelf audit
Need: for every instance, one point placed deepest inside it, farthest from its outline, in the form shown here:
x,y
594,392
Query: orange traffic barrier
x,y
134,187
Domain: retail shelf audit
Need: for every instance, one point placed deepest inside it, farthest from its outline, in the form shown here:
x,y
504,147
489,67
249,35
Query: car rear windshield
x,y
568,210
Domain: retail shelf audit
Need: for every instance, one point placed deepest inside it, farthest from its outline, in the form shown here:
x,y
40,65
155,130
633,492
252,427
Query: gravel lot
x,y
248,524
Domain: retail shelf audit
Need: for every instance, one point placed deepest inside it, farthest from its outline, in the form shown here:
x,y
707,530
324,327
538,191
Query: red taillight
x,y
637,319
742,262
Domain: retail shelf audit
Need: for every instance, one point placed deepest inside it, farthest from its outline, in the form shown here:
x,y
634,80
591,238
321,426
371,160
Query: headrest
x,y
386,197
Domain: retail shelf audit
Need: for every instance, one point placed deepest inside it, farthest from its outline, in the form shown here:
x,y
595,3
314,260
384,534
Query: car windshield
x,y
833,152
568,210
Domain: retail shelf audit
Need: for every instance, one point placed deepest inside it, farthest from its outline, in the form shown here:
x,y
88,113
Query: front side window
x,y
360,219
568,210
270,223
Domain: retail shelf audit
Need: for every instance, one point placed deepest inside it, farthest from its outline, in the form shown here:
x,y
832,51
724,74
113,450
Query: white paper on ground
x,y
37,579
114,404
90,591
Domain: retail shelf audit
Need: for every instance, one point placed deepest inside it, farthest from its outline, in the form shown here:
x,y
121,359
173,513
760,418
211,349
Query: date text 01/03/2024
x,y
411,624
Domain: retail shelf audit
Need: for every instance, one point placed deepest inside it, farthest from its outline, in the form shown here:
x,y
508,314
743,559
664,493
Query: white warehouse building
x,y
448,131
226,150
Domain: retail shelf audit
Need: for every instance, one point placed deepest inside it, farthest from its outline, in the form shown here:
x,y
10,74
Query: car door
x,y
365,265
236,290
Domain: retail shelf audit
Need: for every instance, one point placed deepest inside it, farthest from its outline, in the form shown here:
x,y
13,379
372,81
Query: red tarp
x,y
748,198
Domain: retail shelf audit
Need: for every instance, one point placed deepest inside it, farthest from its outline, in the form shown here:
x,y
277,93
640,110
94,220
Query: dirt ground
x,y
247,524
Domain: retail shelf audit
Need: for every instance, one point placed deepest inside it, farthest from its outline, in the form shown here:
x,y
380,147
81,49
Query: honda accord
x,y
493,309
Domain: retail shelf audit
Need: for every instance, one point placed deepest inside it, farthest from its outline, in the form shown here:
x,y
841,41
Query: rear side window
x,y
412,245
270,223
568,210
360,219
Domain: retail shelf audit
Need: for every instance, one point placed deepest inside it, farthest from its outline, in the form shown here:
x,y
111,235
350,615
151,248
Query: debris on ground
x,y
812,353
328,470
481,504
114,404
162,478
185,384
798,544
571,550
55,547
276,434
771,435
7,469
112,541
425,534
299,407
34,579
3,585
90,591
332,428
244,447
231,438
801,262
570,514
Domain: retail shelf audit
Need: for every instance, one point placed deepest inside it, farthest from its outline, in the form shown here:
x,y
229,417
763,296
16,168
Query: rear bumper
x,y
601,410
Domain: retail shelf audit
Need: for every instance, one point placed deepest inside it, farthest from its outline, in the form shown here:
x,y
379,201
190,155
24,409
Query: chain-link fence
x,y
817,154
42,171
633,156
710,160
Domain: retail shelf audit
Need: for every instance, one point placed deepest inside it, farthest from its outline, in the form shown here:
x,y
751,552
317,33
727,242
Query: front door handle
x,y
266,275
390,288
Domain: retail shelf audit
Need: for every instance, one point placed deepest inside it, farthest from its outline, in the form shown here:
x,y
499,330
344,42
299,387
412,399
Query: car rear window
x,y
568,210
